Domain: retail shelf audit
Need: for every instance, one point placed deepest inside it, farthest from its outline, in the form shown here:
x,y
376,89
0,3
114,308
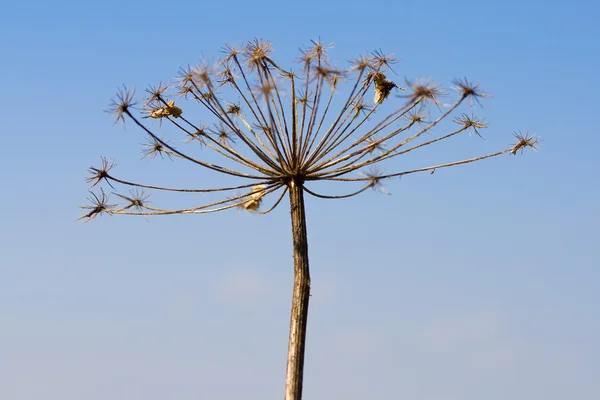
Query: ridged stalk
x,y
300,297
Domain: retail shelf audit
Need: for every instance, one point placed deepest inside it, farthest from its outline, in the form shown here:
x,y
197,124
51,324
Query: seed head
x,y
375,144
380,60
417,116
374,180
360,107
470,90
256,53
156,93
471,122
99,206
153,148
121,103
225,135
361,63
198,135
525,140
100,173
137,199
202,75
234,109
319,50
231,53
424,90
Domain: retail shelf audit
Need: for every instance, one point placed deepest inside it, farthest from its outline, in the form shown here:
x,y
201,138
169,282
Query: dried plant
x,y
280,130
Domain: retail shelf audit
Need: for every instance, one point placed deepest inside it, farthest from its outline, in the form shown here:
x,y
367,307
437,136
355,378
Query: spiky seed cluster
x,y
99,174
257,54
380,60
274,127
198,135
525,140
470,90
156,93
122,104
374,144
471,122
138,199
361,63
417,116
374,179
153,148
99,206
425,90
234,109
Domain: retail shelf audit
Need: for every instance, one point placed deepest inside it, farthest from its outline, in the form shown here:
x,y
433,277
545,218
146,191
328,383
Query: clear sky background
x,y
478,282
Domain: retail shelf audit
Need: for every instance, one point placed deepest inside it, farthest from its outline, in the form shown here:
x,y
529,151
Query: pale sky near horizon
x,y
477,282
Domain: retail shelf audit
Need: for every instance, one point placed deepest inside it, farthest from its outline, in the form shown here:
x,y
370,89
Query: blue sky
x,y
481,281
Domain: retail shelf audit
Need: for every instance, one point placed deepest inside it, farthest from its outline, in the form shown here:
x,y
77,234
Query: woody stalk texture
x,y
278,130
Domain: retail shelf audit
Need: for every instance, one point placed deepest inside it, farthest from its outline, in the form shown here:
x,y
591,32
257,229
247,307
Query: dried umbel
x,y
273,126
278,129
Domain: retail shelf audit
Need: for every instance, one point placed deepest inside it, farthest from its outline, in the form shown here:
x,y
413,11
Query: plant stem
x,y
300,297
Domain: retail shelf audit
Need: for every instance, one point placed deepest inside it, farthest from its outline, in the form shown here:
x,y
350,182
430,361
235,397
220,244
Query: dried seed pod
x,y
255,198
169,110
383,87
173,110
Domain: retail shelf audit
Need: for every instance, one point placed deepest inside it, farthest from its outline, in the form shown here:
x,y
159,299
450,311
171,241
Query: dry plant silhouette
x,y
280,131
